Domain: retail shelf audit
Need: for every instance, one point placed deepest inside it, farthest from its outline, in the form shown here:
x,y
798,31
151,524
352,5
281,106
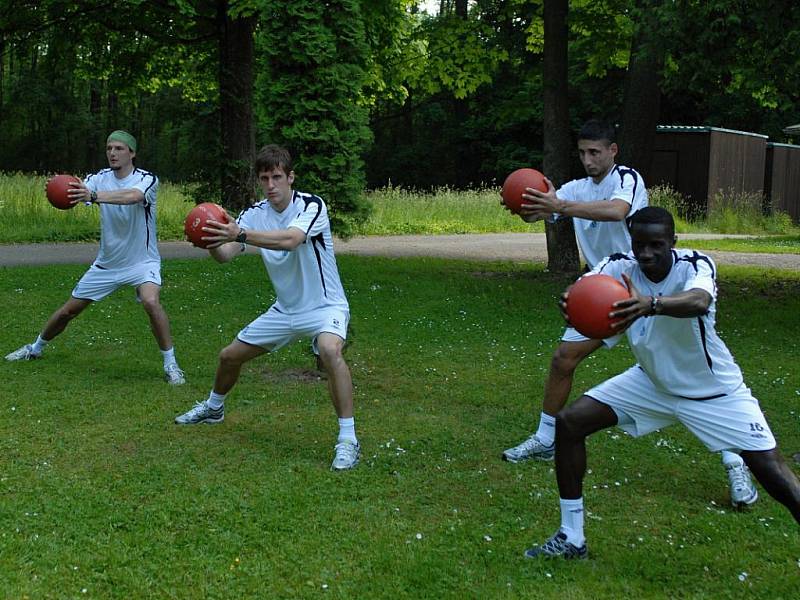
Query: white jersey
x,y
599,239
127,232
682,356
307,277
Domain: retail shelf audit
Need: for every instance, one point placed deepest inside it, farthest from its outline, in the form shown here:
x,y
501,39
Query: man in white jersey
x,y
293,232
128,252
684,373
599,205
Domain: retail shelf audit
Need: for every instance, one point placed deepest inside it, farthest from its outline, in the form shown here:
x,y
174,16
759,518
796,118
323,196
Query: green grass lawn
x,y
101,496
773,244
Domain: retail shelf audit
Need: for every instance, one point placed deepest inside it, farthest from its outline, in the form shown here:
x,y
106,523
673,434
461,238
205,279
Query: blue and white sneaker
x,y
346,457
530,448
174,376
201,413
24,353
558,546
743,491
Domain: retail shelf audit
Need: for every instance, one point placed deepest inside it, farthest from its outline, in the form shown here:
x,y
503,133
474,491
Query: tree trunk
x,y
642,102
93,153
562,249
236,49
464,167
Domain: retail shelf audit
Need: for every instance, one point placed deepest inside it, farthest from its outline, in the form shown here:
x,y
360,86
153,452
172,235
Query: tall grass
x,y
729,212
29,217
399,211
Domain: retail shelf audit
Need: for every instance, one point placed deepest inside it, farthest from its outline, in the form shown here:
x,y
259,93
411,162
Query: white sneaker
x,y
743,492
201,413
347,455
173,375
530,448
24,353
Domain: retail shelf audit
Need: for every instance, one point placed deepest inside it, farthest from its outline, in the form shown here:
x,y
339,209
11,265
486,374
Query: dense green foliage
x,y
372,91
104,497
310,97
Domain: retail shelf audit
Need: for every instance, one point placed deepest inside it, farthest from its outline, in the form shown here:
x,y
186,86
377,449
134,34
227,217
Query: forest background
x,y
369,93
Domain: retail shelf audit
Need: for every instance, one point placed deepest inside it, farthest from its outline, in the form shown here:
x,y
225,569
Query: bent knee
x,y
565,361
151,304
330,350
229,356
67,313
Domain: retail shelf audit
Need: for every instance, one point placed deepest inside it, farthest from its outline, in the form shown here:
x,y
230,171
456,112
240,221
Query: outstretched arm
x,y
80,193
688,304
223,237
546,203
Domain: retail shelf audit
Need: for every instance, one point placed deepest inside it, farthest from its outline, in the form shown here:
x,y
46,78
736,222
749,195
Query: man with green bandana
x,y
126,197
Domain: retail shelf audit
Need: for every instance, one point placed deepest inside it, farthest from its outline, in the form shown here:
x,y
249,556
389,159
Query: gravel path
x,y
517,247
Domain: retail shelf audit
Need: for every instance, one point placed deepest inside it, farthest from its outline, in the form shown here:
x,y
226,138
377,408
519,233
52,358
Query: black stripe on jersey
x,y
310,199
153,181
628,172
147,208
705,342
714,397
317,242
615,257
257,206
694,259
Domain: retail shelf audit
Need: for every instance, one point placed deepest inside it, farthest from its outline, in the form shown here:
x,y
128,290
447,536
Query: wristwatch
x,y
242,237
655,305
93,197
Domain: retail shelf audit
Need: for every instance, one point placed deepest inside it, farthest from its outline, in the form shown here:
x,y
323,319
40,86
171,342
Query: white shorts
x,y
573,335
97,282
275,329
732,422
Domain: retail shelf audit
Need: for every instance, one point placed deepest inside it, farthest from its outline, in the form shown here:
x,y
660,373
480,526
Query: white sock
x,y
731,459
216,400
169,357
572,521
547,429
37,347
347,430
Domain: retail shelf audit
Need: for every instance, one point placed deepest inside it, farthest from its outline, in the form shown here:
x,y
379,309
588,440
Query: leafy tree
x,y
309,93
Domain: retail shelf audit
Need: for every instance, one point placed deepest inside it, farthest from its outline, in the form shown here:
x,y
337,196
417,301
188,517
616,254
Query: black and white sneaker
x,y
558,546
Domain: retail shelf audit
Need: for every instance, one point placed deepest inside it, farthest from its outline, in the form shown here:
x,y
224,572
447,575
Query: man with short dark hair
x,y
684,373
599,204
293,233
126,196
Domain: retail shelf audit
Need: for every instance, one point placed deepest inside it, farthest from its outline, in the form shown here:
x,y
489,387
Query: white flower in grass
x,y
418,536
742,576
488,538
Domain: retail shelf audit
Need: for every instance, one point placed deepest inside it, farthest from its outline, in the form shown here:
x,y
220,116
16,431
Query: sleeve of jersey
x,y
148,185
90,182
313,220
702,276
613,266
567,191
623,190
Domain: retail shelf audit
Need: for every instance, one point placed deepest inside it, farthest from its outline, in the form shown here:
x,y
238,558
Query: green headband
x,y
124,137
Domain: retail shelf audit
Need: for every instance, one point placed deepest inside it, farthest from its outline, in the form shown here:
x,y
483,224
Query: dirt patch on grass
x,y
294,375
